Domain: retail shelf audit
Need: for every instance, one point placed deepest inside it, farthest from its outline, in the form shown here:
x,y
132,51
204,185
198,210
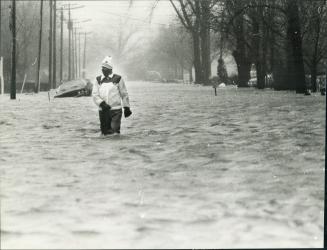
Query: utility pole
x,y
13,54
61,40
69,44
54,81
84,57
1,60
79,54
325,202
73,52
0,29
76,63
67,7
37,87
50,45
75,47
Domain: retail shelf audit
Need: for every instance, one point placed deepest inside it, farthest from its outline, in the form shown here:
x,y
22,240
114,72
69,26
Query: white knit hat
x,y
107,62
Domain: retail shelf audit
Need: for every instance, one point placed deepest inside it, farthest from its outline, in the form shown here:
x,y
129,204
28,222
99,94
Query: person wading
x,y
110,95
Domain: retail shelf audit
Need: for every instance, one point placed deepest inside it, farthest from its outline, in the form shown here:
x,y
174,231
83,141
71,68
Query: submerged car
x,y
74,88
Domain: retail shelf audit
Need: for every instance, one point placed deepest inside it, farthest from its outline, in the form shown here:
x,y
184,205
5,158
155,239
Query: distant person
x,y
110,95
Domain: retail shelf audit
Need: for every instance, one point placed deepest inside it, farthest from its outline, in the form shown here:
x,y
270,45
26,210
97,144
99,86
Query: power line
x,y
133,18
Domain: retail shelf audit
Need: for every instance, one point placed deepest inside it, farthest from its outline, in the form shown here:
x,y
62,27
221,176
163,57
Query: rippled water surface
x,y
241,169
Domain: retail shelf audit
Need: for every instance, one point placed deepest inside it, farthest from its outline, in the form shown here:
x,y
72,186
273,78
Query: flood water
x,y
244,169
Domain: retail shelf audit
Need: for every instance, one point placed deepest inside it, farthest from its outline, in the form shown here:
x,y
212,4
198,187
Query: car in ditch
x,y
74,88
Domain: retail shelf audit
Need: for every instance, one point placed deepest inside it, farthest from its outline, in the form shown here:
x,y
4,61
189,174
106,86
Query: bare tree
x,y
294,39
121,41
314,16
188,12
242,54
251,30
171,52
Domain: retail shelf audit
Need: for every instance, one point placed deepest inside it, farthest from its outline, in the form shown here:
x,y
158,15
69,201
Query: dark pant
x,y
110,121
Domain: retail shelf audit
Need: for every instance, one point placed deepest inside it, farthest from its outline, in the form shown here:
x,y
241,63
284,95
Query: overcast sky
x,y
109,12
106,16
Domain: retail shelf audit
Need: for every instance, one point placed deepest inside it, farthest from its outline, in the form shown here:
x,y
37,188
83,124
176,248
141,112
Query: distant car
x,y
153,76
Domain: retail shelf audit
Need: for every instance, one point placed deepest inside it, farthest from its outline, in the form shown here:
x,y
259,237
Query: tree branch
x,y
185,24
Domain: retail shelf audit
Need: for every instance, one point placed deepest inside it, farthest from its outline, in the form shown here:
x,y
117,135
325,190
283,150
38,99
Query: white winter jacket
x,y
112,90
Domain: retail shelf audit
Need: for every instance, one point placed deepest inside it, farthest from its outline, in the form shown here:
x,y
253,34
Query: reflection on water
x,y
189,170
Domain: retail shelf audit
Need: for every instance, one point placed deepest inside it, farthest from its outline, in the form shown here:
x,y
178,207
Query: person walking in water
x,y
110,95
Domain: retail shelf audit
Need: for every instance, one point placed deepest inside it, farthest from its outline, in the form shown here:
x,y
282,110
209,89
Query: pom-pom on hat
x,y
107,62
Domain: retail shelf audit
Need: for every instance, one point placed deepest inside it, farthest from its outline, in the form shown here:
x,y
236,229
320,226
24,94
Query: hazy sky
x,y
106,16
109,12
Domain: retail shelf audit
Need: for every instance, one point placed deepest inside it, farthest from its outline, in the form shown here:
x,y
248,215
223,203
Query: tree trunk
x,y
197,58
280,71
260,76
270,44
37,83
264,56
205,55
313,72
221,70
243,67
190,71
290,82
205,40
13,52
242,60
314,62
272,54
259,47
260,66
181,70
295,62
